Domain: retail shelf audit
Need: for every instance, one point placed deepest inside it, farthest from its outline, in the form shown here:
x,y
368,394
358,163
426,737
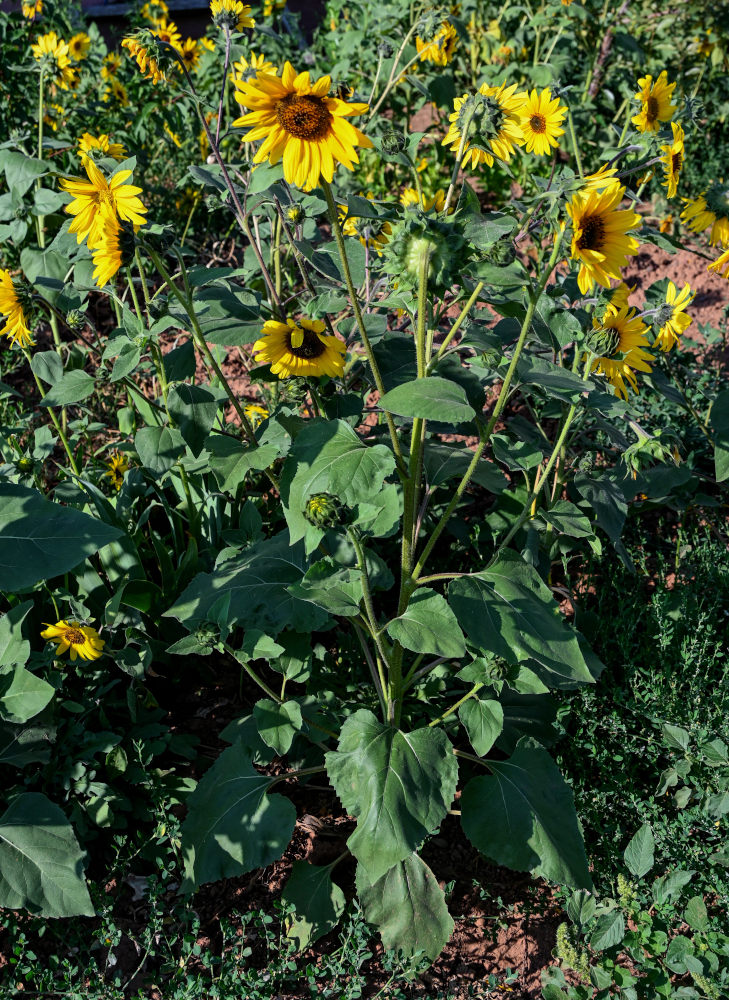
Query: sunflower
x,y
148,65
116,467
493,124
619,297
53,115
78,46
622,340
167,31
89,197
81,640
155,11
32,7
246,69
90,146
671,317
112,65
599,235
16,325
601,179
710,209
541,117
118,91
190,54
113,246
232,14
372,233
297,120
721,265
52,53
440,47
673,159
256,413
269,6
300,349
655,101
409,199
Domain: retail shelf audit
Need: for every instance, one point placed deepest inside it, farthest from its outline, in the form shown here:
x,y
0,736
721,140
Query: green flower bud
x,y
420,238
603,343
295,214
503,252
295,389
323,510
24,464
75,319
393,141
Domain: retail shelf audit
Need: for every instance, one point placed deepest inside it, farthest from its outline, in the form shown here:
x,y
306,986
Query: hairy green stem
x,y
454,708
460,320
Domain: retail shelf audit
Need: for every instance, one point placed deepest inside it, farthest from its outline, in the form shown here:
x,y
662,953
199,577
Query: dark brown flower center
x,y
305,117
676,162
74,636
593,233
651,109
537,123
310,347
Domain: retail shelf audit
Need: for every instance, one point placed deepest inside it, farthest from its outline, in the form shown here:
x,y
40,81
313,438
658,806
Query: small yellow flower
x,y
81,640
232,14
269,6
256,413
623,335
721,265
300,349
117,90
372,233
541,117
90,146
673,159
666,225
168,32
16,325
155,11
677,322
655,99
190,53
116,467
32,7
91,196
710,209
247,69
112,65
409,199
78,46
440,48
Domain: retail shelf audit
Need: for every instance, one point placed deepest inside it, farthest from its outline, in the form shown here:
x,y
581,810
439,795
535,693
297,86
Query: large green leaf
x,y
319,902
21,745
256,584
328,457
193,408
408,908
41,864
231,460
22,694
278,723
232,824
73,387
159,448
13,647
431,398
720,427
40,539
398,785
508,610
640,853
428,625
522,815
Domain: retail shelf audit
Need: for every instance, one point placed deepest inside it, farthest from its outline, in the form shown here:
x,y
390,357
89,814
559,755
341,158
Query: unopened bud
x,y
393,141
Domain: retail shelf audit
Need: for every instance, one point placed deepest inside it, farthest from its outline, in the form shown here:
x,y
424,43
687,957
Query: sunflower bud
x,y
295,214
503,252
419,238
231,14
491,358
75,319
393,141
323,510
603,342
24,465
295,390
693,112
385,50
662,315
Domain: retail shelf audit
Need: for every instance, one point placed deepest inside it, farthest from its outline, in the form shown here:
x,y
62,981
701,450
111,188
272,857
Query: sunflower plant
x,y
370,532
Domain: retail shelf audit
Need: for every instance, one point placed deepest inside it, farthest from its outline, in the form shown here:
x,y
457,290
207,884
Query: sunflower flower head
x,y
95,147
231,14
245,70
271,7
300,349
78,46
190,52
112,248
299,122
153,51
435,41
14,305
490,120
655,103
155,11
600,240
671,321
52,54
672,159
618,344
256,414
32,8
115,468
541,119
77,639
111,66
418,238
115,89
372,232
709,210
92,197
429,203
721,265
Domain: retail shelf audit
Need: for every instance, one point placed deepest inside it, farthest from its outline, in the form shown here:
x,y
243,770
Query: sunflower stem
x,y
224,85
575,147
458,323
337,230
454,708
393,68
485,433
40,218
54,418
459,156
